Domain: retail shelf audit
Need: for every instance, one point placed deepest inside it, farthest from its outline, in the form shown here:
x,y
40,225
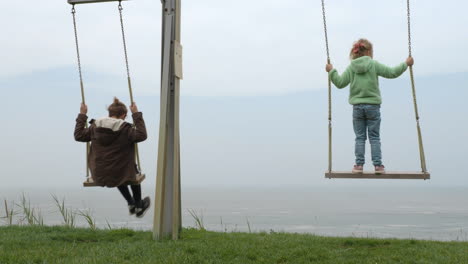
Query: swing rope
x,y
125,52
330,158
73,11
137,154
129,81
413,88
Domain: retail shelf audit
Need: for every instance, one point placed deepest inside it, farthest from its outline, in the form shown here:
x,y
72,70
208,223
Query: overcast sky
x,y
254,104
241,47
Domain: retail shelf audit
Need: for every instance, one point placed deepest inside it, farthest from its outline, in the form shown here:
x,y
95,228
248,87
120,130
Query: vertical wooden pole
x,y
177,181
167,210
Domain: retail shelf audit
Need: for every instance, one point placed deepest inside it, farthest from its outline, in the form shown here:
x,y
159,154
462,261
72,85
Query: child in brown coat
x,y
112,154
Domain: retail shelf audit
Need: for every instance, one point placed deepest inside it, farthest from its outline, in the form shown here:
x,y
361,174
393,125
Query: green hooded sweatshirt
x,y
363,75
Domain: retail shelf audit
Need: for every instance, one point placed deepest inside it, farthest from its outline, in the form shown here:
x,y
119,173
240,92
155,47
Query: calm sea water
x,y
419,213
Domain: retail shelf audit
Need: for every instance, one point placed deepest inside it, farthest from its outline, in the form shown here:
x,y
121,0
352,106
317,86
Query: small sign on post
x,y
178,60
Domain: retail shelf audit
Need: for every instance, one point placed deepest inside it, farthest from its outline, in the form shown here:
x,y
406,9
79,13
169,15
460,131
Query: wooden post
x,y
167,203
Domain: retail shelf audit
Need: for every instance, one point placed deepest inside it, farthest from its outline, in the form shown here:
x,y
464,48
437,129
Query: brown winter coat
x,y
112,155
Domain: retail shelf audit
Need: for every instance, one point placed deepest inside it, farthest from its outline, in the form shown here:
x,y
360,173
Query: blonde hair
x,y
360,48
117,108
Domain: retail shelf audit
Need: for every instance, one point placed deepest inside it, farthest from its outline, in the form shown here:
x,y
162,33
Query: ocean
x,y
429,213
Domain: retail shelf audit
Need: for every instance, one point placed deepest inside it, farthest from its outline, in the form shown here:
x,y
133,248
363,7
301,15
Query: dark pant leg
x,y
136,190
126,193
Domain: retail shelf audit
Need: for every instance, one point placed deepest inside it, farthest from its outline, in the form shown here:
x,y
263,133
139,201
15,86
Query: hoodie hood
x,y
361,64
109,122
108,130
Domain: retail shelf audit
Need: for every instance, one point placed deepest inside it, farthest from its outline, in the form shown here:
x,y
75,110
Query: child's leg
x,y
136,190
373,123
359,124
126,194
141,205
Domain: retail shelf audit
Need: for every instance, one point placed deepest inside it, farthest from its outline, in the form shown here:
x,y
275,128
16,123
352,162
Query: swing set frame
x,y
89,182
77,2
330,174
167,213
167,205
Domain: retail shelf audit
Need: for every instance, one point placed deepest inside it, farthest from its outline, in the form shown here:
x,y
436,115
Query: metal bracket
x,y
77,2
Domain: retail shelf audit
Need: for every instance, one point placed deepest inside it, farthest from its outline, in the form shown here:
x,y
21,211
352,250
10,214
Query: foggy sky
x,y
254,105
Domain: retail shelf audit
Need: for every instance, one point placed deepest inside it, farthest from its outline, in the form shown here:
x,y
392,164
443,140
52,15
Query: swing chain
x,y
137,152
325,29
73,11
415,102
330,129
328,60
409,26
125,51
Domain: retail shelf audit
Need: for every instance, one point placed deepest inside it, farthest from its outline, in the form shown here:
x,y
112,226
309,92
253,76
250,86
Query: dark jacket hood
x,y
108,130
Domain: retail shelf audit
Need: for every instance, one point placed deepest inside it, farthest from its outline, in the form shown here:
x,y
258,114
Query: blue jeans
x,y
366,121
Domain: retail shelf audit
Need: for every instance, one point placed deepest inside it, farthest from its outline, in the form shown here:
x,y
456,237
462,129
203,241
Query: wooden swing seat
x,y
393,175
139,179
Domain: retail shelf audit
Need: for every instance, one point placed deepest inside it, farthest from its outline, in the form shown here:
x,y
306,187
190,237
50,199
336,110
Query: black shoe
x,y
131,209
142,207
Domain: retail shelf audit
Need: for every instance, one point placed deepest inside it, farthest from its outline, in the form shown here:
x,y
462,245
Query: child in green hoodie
x,y
362,75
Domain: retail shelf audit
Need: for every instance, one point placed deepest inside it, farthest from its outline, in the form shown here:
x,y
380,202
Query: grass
x,y
198,217
10,213
41,244
89,219
31,216
32,242
68,215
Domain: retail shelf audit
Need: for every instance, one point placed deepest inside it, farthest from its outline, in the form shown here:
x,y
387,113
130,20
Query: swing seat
x,y
139,179
389,175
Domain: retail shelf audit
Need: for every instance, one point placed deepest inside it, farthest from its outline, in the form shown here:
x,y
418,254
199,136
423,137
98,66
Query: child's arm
x,y
82,134
390,72
340,81
138,134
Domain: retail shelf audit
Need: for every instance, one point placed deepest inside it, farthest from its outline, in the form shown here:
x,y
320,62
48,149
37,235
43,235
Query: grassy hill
x,y
41,244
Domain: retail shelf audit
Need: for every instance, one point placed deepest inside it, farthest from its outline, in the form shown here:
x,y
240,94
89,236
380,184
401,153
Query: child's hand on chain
x,y
133,108
329,67
83,109
410,61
